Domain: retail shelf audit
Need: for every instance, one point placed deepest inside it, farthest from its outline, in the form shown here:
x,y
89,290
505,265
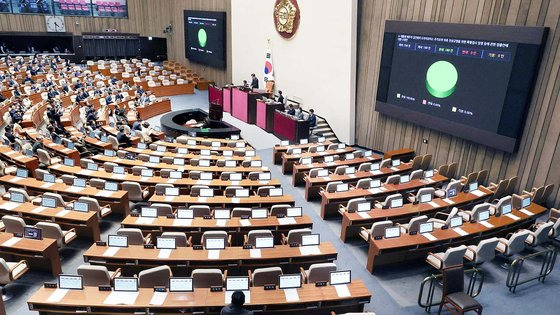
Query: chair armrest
x,y
505,243
148,238
303,274
117,273
189,241
284,239
436,257
72,230
225,277
250,274
21,262
229,240
473,252
245,239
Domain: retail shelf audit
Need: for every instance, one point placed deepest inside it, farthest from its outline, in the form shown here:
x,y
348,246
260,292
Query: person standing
x,y
254,81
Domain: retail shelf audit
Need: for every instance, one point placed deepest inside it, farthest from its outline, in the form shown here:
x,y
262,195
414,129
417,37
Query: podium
x,y
265,114
226,98
244,104
287,127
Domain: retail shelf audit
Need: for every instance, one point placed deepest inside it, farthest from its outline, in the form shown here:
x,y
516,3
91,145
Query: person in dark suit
x,y
291,110
254,81
312,119
280,98
236,306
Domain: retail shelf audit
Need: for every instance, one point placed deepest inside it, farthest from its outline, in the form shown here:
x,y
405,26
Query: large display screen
x,y
205,40
472,81
98,8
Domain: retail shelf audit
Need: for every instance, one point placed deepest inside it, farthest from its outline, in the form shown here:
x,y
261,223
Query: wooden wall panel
x,y
537,161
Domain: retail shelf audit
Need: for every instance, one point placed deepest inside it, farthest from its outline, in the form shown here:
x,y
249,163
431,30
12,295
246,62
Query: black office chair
x,y
454,294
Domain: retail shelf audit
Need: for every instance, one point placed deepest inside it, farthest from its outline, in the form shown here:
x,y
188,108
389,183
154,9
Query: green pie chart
x,y
441,79
202,37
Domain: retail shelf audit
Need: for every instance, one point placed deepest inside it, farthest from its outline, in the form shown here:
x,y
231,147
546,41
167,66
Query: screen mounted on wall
x,y
205,37
471,81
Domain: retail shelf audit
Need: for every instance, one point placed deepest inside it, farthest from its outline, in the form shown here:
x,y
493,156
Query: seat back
x,y
52,230
94,275
393,180
238,212
67,179
157,276
331,187
114,142
230,190
510,189
417,162
454,256
200,210
454,184
163,209
214,234
486,250
134,235
58,198
44,157
478,209
417,174
180,238
442,170
320,272
482,176
264,191
134,190
452,170
206,278
547,192
195,189
503,202
137,170
385,163
542,234
425,191
500,190
20,191
453,279
364,183
314,171
160,188
414,223
264,276
13,224
39,174
516,242
378,228
253,234
294,236
280,209
426,161
452,214
97,183
352,204
390,198
340,170
93,204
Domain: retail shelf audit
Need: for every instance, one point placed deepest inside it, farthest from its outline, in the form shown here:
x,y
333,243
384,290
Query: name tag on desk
x,y
364,215
429,236
309,250
62,213
255,253
213,254
11,242
38,209
342,290
527,212
182,222
47,185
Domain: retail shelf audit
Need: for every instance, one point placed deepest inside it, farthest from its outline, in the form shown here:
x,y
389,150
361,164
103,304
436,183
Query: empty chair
x,y
97,183
352,204
263,276
216,234
109,166
59,201
481,177
238,212
442,170
393,180
454,292
135,191
206,278
143,157
364,183
167,159
84,162
453,256
471,178
195,189
417,162
452,170
251,176
122,154
26,197
483,252
200,210
454,185
427,191
426,161
165,173
39,173
9,272
114,142
331,187
498,189
160,188
472,215
53,230
417,174
68,179
13,224
137,170
157,276
340,170
194,175
280,209
510,189
443,218
93,205
181,239
318,272
294,236
385,163
135,236
414,224
225,175
251,237
547,191
263,191
45,158
93,275
504,201
364,167
540,236
163,209
388,200
513,245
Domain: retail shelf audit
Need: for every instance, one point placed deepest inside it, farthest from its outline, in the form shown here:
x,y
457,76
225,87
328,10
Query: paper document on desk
x,y
164,253
74,189
171,180
203,182
364,215
330,163
182,222
10,205
433,204
121,298
375,191
169,198
342,290
378,172
118,176
262,182
512,216
230,293
352,175
143,220
38,209
309,250
213,254
11,242
486,224
478,193
325,178
15,179
255,253
286,221
47,185
62,213
158,298
202,199
245,222
85,172
220,222
394,169
235,200
111,251
57,295
527,212
291,295
104,193
236,183
449,201
460,231
429,236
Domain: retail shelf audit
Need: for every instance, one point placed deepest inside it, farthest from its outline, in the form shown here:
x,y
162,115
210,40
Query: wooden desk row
x,y
288,160
188,156
322,300
313,186
352,222
223,201
301,170
182,260
416,247
278,150
40,254
331,201
118,200
85,223
18,159
152,181
236,227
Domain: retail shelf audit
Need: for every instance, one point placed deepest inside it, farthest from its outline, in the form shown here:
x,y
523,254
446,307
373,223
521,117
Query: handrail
x,y
515,269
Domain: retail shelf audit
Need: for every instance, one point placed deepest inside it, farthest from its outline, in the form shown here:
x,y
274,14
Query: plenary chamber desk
x,y
265,114
311,299
244,104
287,127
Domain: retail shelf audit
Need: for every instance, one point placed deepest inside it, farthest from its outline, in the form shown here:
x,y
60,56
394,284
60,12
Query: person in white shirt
x,y
146,132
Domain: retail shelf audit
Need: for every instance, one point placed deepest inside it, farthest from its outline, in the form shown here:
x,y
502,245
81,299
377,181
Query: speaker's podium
x,y
244,103
216,112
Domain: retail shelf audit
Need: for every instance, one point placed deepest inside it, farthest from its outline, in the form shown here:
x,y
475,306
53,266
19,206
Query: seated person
x,y
312,119
123,138
291,110
236,306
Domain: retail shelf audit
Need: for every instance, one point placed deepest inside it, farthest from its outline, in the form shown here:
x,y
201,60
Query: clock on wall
x,y
55,23
286,17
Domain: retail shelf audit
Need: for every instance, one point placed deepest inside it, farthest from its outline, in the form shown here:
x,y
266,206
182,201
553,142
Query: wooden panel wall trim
x,y
537,161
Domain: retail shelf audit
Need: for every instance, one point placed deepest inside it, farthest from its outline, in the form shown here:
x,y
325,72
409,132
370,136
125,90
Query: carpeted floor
x,y
395,290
